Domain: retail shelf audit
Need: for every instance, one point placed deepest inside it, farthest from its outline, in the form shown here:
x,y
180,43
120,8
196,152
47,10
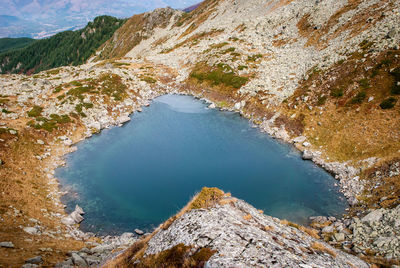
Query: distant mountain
x,y
7,44
42,18
65,48
191,8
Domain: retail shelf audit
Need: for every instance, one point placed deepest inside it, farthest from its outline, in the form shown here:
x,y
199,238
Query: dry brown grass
x,y
268,228
361,130
322,248
247,217
198,16
376,188
130,35
208,197
273,5
311,232
178,256
25,188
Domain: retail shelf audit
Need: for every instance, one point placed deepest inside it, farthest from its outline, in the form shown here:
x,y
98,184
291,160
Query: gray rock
x,y
35,260
78,260
102,249
373,216
339,236
68,220
328,229
127,238
79,210
76,217
299,139
306,144
29,265
32,230
307,155
139,232
244,237
93,260
6,245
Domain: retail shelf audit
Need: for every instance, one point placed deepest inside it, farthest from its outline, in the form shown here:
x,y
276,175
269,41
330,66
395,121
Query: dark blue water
x,y
140,174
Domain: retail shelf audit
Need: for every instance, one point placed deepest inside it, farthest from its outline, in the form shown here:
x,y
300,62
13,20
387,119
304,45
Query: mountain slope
x,y
322,75
137,28
65,48
7,44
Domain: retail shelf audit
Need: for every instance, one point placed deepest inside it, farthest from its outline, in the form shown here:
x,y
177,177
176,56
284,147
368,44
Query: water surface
x,y
138,175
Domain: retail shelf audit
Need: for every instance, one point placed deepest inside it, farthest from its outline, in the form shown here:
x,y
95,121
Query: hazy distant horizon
x,y
41,18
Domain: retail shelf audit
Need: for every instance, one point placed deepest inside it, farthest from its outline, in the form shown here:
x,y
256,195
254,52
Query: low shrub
x,y
220,74
321,100
359,97
58,89
388,103
364,83
337,92
254,57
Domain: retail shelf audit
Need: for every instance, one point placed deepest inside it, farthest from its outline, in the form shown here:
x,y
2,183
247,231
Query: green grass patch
x,y
49,124
229,50
35,111
75,83
254,57
221,74
113,86
148,79
60,119
364,83
220,45
58,89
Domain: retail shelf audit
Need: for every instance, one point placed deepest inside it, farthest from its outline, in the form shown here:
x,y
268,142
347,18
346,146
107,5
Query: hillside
x,y
321,75
65,48
7,44
325,71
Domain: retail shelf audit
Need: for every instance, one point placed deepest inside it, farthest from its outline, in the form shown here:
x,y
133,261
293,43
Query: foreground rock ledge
x,y
216,230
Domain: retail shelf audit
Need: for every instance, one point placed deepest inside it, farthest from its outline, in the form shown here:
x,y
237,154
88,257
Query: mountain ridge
x,y
69,47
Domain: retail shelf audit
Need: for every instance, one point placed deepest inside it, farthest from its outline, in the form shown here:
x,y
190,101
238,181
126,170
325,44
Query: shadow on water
x,y
139,175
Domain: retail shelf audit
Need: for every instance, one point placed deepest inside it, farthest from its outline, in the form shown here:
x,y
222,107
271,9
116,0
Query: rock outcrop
x,y
75,217
237,235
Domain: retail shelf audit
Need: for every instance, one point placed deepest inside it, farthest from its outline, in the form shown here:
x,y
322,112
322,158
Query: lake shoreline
x,y
75,134
88,170
340,171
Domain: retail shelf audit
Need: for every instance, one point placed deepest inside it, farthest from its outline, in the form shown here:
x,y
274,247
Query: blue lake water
x,y
138,175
